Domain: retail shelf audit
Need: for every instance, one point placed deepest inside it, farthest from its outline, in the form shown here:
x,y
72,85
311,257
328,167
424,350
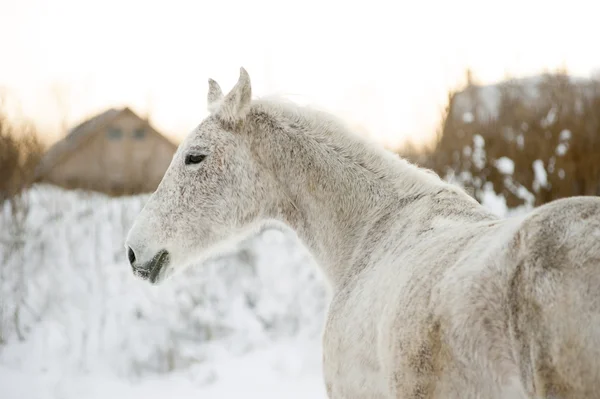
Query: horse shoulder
x,y
553,298
460,319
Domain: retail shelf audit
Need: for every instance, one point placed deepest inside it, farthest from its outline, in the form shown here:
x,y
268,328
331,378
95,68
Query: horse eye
x,y
191,159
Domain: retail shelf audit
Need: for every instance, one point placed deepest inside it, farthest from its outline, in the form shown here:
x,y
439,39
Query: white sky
x,y
386,65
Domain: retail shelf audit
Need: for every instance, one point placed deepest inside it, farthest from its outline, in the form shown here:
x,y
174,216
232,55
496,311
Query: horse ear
x,y
215,95
236,103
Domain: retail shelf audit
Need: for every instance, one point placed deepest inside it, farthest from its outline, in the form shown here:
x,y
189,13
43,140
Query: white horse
x,y
433,296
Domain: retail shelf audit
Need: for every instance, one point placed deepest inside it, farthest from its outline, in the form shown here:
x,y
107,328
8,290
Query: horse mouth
x,y
151,270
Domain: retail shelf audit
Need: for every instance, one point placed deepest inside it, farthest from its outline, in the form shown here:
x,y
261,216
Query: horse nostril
x,y
130,255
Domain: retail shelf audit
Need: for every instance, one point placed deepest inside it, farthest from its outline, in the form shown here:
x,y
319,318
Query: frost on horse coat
x,y
433,296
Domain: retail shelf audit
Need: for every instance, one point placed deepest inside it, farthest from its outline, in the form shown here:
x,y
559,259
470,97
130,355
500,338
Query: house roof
x,y
77,136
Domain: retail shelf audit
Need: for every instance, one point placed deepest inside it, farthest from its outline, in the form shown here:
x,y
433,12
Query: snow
x,y
496,203
76,323
550,118
561,149
478,151
478,141
565,135
505,165
468,117
261,374
563,146
540,175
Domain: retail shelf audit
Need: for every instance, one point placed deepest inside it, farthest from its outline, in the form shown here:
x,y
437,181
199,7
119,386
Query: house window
x,y
115,133
139,133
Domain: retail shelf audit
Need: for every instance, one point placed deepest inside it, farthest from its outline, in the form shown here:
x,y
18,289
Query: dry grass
x,y
525,131
111,190
20,152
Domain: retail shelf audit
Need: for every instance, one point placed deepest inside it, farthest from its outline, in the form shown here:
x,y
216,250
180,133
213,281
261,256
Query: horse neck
x,y
334,189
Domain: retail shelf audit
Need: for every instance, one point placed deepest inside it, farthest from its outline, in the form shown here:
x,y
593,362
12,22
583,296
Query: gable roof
x,y
77,136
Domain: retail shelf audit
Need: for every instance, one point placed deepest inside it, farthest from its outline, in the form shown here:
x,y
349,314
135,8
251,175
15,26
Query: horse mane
x,y
332,131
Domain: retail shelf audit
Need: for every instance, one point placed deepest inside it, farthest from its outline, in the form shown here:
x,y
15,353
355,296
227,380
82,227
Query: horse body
x,y
395,348
476,309
433,296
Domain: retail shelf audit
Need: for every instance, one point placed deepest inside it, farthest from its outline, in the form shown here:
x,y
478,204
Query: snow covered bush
x,y
528,141
68,299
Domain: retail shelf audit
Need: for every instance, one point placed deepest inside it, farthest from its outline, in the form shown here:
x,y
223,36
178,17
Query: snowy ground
x,y
75,323
284,370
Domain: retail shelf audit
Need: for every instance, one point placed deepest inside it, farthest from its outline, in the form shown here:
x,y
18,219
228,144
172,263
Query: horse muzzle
x,y
150,270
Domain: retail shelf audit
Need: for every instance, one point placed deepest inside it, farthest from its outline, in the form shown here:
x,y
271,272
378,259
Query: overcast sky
x,y
384,65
